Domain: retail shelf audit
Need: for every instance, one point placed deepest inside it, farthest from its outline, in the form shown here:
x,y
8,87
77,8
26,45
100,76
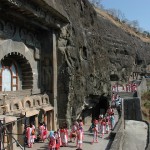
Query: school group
x,y
62,136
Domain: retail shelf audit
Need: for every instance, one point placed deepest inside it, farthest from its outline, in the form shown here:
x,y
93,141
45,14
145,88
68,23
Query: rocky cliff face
x,y
92,52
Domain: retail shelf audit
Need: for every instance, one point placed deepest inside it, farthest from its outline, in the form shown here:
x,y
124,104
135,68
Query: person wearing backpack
x,y
33,132
29,132
52,141
44,132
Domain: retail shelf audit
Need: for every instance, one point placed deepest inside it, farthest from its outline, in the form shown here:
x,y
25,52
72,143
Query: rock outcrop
x,y
92,52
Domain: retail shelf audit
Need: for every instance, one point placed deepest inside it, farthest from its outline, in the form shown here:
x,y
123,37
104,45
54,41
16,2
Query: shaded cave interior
x,y
96,105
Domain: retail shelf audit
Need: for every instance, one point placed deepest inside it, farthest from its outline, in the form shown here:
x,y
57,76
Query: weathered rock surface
x,y
92,51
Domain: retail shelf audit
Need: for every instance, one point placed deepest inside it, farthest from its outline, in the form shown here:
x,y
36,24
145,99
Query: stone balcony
x,y
17,103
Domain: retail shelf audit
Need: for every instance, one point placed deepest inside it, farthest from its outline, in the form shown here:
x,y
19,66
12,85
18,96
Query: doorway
x,y
100,108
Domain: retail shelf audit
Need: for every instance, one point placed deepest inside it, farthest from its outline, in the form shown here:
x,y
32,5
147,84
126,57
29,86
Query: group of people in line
x,y
32,134
116,102
62,136
103,125
129,87
115,96
57,139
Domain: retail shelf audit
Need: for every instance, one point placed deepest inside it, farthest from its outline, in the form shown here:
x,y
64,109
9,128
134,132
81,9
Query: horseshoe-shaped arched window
x,y
8,77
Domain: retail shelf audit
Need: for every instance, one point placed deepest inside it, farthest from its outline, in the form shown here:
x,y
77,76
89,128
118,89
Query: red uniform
x,y
52,143
64,137
79,138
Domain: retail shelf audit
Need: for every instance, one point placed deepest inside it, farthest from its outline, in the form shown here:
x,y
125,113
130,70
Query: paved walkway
x,y
88,137
103,143
135,137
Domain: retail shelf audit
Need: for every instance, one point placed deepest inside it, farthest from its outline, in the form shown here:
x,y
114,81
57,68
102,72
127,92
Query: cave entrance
x,y
114,77
101,107
95,105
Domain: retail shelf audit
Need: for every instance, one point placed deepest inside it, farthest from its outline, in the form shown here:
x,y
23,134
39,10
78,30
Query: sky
x,y
133,10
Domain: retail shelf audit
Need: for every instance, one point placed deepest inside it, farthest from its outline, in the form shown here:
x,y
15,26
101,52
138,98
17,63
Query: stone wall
x,y
132,109
142,87
148,138
91,50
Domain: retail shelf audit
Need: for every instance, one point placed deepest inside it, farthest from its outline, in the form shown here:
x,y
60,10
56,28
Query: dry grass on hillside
x,y
122,25
145,106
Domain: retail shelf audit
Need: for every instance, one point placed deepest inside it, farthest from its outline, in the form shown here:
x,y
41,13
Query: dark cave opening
x,y
100,108
97,105
114,77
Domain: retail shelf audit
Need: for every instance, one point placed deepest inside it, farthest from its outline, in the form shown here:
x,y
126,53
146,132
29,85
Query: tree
x,y
140,30
146,33
97,3
116,13
125,20
120,15
135,24
112,12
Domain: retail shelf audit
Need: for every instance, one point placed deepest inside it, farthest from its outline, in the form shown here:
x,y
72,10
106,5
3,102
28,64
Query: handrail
x,y
11,134
14,139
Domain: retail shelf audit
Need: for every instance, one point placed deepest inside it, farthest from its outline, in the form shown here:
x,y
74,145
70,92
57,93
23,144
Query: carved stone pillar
x,y
20,127
45,118
36,121
49,121
55,80
53,123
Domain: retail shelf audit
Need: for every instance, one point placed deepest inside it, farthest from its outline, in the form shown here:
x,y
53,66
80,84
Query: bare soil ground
x,y
122,25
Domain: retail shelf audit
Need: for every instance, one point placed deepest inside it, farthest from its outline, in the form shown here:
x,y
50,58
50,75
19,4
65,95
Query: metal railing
x,y
5,132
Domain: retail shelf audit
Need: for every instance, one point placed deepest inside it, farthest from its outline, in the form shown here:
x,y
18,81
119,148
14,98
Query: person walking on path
x,y
112,120
107,125
64,136
41,131
29,133
44,136
52,141
33,132
79,138
73,133
103,126
95,132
